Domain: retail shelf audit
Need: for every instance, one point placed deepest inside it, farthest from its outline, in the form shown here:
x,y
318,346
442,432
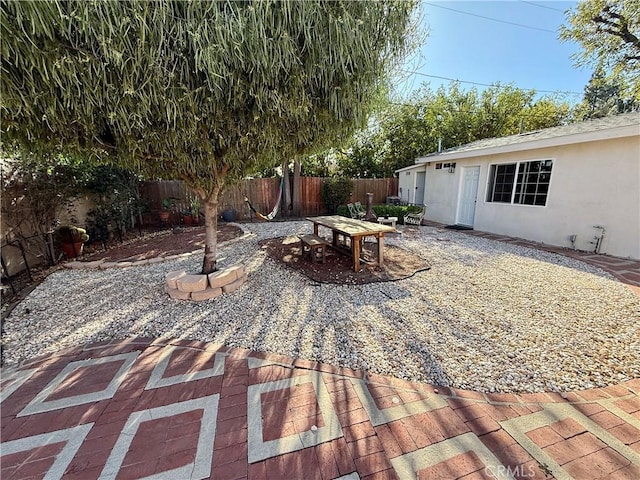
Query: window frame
x,y
518,187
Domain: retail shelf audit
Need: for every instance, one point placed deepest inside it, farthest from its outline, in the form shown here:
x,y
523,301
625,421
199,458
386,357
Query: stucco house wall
x,y
595,180
595,183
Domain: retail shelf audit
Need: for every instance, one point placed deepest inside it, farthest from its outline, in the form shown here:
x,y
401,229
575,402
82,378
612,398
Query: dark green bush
x,y
381,210
336,191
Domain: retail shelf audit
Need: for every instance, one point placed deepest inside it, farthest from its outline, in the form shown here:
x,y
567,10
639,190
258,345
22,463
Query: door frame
x,y
464,169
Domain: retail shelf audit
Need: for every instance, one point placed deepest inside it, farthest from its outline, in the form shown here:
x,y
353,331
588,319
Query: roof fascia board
x,y
412,167
618,132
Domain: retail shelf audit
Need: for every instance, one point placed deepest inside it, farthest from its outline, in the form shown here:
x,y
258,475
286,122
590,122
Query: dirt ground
x,y
398,263
162,244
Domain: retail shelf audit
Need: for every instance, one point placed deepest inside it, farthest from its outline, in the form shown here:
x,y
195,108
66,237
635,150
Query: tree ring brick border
x,y
197,287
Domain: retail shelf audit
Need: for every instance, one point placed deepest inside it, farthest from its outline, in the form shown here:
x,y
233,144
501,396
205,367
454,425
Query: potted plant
x,y
195,209
71,240
187,217
168,204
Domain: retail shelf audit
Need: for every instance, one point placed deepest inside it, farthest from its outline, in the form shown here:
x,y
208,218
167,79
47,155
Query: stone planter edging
x,y
103,265
196,287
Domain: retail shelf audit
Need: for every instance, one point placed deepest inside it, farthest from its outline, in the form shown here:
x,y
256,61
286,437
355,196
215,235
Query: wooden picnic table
x,y
356,230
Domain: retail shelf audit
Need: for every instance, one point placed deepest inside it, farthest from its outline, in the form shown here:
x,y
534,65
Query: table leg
x,y
335,238
381,249
355,249
315,229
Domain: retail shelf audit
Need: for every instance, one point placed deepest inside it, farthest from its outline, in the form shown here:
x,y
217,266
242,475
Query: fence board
x,y
262,193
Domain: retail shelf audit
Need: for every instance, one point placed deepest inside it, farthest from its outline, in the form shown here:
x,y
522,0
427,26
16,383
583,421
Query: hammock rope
x,y
271,215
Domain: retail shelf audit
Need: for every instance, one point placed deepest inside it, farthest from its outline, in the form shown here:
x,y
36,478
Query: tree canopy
x,y
609,34
450,117
197,90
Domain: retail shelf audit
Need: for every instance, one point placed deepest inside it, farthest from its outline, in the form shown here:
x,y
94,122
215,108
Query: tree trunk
x,y
211,234
297,194
286,189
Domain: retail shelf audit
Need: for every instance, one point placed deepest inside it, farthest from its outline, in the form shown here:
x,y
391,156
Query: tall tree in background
x,y
609,33
197,90
601,97
447,117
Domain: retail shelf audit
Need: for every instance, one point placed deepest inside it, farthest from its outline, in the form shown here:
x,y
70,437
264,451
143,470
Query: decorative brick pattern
x,y
165,408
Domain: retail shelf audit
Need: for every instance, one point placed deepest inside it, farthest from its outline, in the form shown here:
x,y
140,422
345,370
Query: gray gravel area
x,y
488,316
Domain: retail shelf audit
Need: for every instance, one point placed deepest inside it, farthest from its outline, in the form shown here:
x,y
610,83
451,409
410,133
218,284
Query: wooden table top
x,y
350,226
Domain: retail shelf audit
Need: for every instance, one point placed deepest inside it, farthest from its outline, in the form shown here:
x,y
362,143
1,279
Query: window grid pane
x,y
533,182
502,185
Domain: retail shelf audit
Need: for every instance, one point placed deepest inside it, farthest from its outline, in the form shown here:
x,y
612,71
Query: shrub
x,y
336,191
117,202
71,234
35,190
398,211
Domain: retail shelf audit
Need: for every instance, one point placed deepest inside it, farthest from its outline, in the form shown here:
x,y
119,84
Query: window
x,y
501,182
528,187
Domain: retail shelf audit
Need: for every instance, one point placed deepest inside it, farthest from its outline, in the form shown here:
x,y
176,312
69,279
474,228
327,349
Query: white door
x,y
468,195
420,180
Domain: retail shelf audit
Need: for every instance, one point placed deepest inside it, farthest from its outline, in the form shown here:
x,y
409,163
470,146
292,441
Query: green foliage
x,y
336,191
318,164
602,97
409,130
609,34
141,83
194,204
118,203
200,91
71,234
35,190
169,203
398,211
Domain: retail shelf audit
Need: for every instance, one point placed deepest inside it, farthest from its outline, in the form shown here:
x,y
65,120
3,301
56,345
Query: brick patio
x,y
191,410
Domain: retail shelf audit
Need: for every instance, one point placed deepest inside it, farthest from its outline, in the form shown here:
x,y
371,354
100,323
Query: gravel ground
x,y
488,316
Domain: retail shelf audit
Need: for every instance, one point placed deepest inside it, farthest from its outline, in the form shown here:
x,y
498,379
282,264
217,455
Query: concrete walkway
x,y
145,408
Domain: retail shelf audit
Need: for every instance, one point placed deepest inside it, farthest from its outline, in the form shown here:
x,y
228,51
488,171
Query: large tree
x,y
204,91
447,117
609,33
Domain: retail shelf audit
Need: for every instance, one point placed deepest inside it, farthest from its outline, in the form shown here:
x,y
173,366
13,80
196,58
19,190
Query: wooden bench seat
x,y
315,246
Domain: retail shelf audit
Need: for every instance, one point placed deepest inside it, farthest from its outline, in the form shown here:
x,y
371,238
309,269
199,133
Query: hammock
x,y
273,212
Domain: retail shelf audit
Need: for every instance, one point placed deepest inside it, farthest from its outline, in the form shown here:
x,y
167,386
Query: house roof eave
x,y
569,139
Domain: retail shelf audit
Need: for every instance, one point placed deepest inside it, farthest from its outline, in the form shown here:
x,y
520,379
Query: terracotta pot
x,y
187,219
164,216
72,250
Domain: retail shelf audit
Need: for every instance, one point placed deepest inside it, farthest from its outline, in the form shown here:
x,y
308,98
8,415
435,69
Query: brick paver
x,y
184,409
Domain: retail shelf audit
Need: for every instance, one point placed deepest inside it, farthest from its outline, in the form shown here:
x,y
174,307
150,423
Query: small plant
x,y
169,203
195,206
72,234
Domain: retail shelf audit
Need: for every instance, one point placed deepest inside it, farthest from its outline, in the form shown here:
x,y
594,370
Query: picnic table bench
x,y
314,245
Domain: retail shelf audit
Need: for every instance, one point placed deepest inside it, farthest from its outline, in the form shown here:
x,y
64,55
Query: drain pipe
x,y
598,238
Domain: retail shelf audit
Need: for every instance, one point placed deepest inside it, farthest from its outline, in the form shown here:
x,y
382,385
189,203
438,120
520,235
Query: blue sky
x,y
475,49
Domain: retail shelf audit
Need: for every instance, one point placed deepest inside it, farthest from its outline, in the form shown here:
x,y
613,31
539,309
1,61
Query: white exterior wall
x,y
442,193
407,184
592,183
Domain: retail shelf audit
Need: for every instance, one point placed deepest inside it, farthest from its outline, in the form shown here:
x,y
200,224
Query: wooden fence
x,y
263,194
